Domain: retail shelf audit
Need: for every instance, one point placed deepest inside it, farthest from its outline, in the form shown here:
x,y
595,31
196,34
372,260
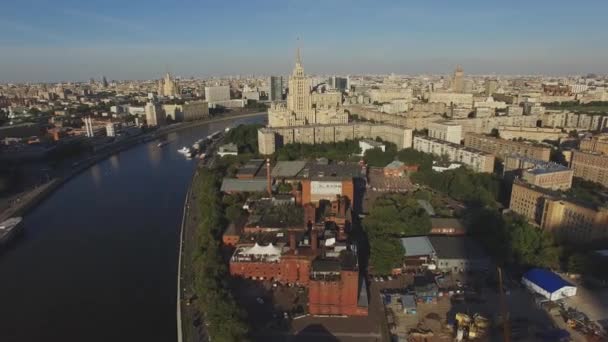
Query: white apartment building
x,y
478,161
446,130
217,93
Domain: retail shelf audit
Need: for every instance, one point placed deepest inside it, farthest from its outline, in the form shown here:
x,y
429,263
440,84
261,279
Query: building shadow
x,y
314,332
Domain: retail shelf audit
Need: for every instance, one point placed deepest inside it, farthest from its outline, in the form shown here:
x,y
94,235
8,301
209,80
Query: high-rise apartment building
x,y
598,143
276,88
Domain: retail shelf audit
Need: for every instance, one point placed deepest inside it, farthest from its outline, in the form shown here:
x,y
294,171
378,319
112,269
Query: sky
x,y
68,40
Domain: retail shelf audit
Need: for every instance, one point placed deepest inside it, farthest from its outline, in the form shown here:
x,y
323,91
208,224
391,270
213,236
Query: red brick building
x,y
318,257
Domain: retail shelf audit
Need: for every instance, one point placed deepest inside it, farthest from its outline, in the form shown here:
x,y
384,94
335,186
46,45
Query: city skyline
x,y
66,40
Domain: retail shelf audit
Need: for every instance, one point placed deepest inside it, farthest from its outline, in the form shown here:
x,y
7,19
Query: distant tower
x,y
168,86
491,86
299,99
458,80
104,82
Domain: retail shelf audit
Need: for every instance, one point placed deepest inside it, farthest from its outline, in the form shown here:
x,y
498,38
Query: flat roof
x,y
288,168
331,170
456,247
417,245
243,185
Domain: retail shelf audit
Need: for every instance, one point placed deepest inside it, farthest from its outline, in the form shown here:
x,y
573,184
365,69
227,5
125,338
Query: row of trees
x,y
343,150
224,319
245,137
512,240
390,217
463,184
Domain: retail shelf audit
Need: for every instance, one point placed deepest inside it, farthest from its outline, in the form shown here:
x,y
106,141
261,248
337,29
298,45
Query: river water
x,y
98,259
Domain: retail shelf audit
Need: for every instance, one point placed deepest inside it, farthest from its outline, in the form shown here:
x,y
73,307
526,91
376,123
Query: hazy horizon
x,y
66,40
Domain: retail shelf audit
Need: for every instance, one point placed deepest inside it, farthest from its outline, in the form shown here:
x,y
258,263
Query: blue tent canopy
x,y
546,280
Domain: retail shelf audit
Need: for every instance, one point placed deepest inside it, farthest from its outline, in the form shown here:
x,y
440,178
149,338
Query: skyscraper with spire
x,y
168,86
298,99
304,107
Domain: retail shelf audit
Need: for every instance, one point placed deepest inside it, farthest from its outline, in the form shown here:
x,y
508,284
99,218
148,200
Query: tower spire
x,y
298,57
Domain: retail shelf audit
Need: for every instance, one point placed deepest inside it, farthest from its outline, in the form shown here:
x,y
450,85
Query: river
x,y
98,258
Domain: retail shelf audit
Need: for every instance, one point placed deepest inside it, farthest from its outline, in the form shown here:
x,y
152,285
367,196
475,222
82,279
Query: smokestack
x,y
313,239
292,241
268,178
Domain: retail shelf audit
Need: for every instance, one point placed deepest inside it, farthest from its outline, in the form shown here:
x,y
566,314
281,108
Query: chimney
x,y
292,241
268,178
313,239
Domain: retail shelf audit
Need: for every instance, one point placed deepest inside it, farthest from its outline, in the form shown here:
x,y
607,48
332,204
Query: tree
x,y
578,263
391,217
285,188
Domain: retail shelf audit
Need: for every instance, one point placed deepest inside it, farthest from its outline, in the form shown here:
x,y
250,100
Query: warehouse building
x,y
548,284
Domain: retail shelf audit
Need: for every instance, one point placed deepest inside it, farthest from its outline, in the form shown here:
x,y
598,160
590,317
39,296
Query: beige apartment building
x,y
531,133
554,177
598,143
569,221
591,166
478,161
548,175
271,138
501,147
446,130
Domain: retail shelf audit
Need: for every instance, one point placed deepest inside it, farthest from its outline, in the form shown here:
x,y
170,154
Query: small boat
x,y
9,229
184,150
162,143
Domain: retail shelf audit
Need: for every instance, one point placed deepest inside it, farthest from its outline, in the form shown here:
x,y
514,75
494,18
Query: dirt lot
x,y
527,318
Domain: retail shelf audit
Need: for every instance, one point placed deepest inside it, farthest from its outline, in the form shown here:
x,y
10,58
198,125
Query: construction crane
x,y
503,308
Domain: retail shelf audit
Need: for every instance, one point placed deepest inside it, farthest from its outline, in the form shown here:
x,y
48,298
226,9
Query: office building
x,y
217,93
590,166
276,88
501,147
570,221
478,161
446,130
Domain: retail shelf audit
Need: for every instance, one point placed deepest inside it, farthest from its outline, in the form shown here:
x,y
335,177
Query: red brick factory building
x,y
303,238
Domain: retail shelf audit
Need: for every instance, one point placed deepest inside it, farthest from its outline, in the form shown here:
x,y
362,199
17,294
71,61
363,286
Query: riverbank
x,y
32,198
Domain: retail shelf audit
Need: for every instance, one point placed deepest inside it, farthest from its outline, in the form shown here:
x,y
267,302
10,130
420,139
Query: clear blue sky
x,y
52,40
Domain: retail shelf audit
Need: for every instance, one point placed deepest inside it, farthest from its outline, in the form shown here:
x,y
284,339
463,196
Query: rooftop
x,y
395,164
456,247
417,245
243,185
546,279
288,168
331,170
